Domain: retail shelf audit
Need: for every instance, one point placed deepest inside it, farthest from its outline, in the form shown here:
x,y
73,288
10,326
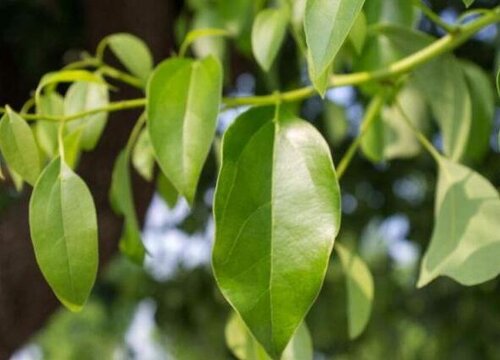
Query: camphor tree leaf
x,y
200,33
143,157
465,242
277,213
335,122
357,35
122,201
166,190
268,33
132,52
447,95
360,290
18,146
327,24
390,137
63,228
208,18
483,108
245,347
83,96
402,13
183,99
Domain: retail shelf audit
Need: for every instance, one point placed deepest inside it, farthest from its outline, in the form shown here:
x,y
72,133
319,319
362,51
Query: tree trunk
x,y
26,301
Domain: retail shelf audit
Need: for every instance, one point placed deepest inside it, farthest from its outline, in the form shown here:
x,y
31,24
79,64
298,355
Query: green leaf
x,y
65,76
63,228
122,201
244,346
166,190
133,53
268,33
465,242
327,24
51,104
72,147
183,99
336,123
199,33
391,12
85,96
143,156
18,146
360,290
468,3
277,212
390,137
483,111
211,45
447,93
358,33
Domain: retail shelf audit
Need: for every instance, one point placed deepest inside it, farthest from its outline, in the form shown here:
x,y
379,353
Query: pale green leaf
x,y
143,158
360,290
465,242
63,228
18,146
245,347
482,96
85,96
183,99
468,3
390,137
447,93
401,13
358,33
336,123
277,197
133,53
197,34
208,45
268,33
72,148
327,24
51,104
122,201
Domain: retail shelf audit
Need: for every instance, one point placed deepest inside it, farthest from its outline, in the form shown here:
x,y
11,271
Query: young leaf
x,y
143,157
244,347
63,228
465,242
72,147
357,35
200,33
133,53
327,24
183,98
360,290
122,201
277,212
84,96
268,33
18,146
209,45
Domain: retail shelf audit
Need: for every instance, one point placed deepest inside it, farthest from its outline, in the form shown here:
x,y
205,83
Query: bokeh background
x,y
171,309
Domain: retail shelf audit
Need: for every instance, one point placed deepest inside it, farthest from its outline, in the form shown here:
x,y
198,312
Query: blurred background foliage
x,y
172,309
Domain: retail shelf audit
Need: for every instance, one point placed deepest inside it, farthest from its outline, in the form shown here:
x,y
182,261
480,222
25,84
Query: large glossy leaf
x,y
327,24
85,96
133,53
465,242
360,290
244,346
277,212
482,95
183,98
63,228
18,146
121,198
390,137
268,33
447,95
